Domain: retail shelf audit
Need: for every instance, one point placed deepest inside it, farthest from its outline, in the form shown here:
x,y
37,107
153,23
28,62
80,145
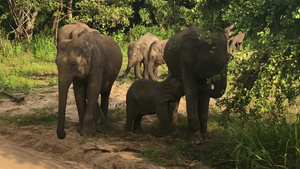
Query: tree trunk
x,y
69,11
30,26
24,20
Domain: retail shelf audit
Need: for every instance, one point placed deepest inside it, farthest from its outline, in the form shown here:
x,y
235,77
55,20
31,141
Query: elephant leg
x,y
173,109
128,125
191,94
130,116
100,118
137,124
203,106
88,127
104,102
137,71
162,112
80,97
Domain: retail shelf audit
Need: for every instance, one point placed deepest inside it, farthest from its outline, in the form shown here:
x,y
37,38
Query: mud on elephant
x,y
155,58
91,62
197,59
150,97
137,54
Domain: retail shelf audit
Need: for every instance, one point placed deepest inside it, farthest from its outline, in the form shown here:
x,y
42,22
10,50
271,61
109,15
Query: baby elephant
x,y
150,97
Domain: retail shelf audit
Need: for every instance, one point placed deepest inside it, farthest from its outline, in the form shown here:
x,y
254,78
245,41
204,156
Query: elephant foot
x,y
138,130
206,136
101,120
79,130
88,132
61,134
195,138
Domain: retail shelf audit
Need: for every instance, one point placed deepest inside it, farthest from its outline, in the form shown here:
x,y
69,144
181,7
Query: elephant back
x,y
147,39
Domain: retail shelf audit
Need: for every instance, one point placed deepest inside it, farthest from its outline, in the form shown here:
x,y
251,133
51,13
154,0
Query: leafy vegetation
x,y
258,127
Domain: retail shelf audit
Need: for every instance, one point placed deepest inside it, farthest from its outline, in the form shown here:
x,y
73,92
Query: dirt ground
x,y
37,147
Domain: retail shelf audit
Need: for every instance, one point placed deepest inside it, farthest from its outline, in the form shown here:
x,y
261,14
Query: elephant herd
x,y
197,65
149,50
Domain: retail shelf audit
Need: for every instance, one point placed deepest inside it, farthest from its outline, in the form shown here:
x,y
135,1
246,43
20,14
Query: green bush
x,y
43,48
162,33
262,145
10,48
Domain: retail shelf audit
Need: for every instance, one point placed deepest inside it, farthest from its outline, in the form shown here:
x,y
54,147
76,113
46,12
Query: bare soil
x,y
37,147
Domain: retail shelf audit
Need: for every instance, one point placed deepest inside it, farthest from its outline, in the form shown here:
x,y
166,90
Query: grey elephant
x,y
146,97
228,31
73,31
236,42
91,62
137,54
201,61
155,58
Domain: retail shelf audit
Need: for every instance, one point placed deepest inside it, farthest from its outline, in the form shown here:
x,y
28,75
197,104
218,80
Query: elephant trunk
x,y
64,83
129,65
218,90
126,72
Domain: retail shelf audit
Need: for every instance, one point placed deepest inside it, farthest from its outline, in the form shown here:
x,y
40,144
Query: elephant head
x,y
204,55
156,56
73,62
208,60
73,31
136,54
172,90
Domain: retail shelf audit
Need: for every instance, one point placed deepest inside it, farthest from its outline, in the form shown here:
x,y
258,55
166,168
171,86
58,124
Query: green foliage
x,y
10,49
103,16
162,33
44,48
267,146
266,80
153,155
20,71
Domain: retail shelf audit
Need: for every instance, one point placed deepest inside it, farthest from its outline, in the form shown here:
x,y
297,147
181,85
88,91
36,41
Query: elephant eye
x,y
73,64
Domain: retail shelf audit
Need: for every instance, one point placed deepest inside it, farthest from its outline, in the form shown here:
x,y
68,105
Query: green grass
x,y
44,116
24,67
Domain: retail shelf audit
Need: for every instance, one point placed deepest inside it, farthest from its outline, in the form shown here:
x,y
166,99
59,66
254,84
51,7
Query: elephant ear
x,y
188,51
166,92
88,52
76,33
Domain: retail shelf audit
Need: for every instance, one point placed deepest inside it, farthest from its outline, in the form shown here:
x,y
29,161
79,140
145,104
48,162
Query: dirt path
x,y
37,147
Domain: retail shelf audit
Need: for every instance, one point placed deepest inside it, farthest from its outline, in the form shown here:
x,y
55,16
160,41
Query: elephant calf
x,y
150,97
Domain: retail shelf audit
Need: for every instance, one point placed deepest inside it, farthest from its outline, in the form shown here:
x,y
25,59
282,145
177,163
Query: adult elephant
x,y
137,54
73,31
198,59
92,62
155,58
